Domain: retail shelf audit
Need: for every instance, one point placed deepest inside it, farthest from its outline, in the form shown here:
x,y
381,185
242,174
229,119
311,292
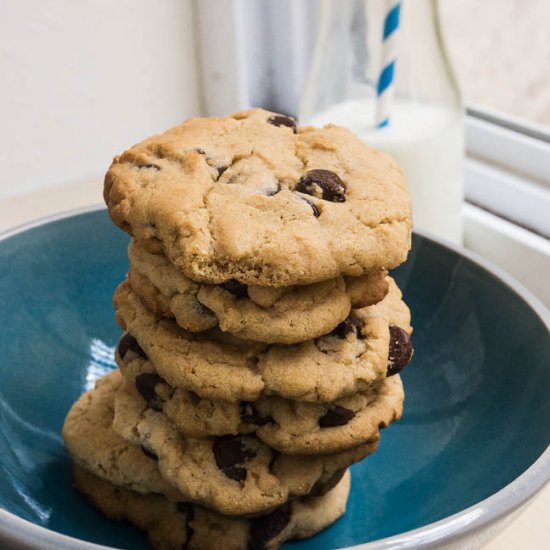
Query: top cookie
x,y
247,197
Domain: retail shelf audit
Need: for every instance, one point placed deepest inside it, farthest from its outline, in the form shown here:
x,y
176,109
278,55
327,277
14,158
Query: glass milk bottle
x,y
380,68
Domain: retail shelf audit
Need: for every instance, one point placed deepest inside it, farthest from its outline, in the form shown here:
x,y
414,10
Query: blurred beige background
x,y
500,50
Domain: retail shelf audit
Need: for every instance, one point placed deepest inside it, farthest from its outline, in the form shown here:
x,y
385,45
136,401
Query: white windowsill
x,y
523,254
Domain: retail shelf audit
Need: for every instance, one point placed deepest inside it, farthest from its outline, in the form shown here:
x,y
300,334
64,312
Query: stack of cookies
x,y
263,336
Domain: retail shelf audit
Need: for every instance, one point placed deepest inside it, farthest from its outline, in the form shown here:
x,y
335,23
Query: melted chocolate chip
x,y
322,487
316,212
129,343
251,415
145,385
323,184
400,352
230,453
148,166
351,325
336,416
236,288
149,453
282,120
265,528
187,509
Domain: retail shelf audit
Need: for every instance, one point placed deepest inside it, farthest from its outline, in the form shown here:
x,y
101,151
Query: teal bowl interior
x,y
476,413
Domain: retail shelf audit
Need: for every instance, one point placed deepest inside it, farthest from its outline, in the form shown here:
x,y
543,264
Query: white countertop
x,y
531,531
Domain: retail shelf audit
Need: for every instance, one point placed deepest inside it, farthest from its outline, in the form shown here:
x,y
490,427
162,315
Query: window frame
x,y
507,196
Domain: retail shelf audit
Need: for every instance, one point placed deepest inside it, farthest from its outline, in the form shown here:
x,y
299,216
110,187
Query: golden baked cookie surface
x,y
242,198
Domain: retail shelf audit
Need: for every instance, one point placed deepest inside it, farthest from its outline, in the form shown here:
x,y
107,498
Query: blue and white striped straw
x,y
385,87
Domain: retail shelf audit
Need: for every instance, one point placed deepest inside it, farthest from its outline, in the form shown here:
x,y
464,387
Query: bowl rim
x,y
17,532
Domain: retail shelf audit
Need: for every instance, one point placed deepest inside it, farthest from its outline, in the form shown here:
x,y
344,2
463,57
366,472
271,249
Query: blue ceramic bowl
x,y
472,447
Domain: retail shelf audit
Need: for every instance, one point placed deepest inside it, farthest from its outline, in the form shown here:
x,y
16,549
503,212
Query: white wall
x,y
264,61
81,80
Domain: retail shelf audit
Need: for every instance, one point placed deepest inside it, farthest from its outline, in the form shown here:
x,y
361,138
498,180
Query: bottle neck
x,y
351,53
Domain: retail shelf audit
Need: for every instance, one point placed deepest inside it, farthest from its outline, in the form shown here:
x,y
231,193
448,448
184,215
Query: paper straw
x,y
385,86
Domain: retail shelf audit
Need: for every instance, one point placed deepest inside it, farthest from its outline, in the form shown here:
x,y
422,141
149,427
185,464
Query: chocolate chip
x,y
230,452
400,352
322,487
145,385
323,184
187,509
149,453
316,212
251,415
129,343
336,416
221,170
351,325
236,288
265,528
148,167
282,120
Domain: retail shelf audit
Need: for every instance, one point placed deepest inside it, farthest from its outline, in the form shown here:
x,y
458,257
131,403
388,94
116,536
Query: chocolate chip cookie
x,y
232,474
215,365
286,315
265,204
93,444
290,427
172,525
